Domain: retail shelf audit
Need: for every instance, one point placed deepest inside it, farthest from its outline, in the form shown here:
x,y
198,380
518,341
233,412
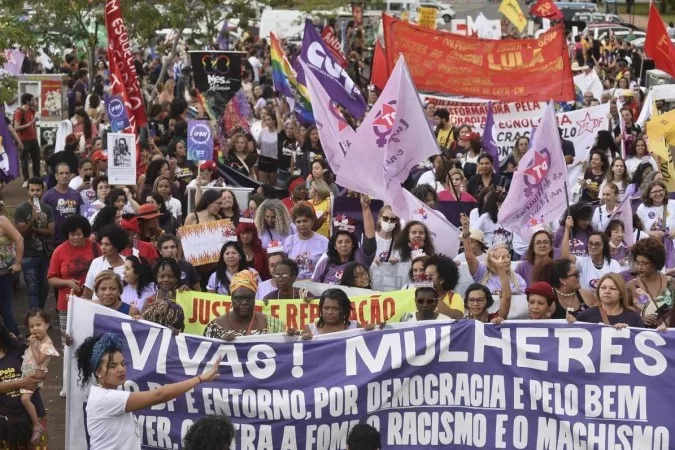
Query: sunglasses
x,y
389,219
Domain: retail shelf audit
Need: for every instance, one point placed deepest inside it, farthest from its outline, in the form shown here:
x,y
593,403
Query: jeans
x,y
6,299
35,275
31,150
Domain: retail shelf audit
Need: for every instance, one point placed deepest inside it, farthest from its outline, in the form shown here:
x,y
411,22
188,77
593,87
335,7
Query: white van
x,y
398,7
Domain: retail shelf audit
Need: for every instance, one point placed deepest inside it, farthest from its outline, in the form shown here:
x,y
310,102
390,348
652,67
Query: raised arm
x,y
565,244
503,271
145,399
471,259
368,220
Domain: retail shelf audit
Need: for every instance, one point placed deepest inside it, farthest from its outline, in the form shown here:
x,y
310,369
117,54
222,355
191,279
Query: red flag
x,y
546,9
123,77
333,43
657,44
378,72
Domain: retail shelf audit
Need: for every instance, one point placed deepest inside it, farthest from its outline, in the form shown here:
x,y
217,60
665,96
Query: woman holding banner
x,y
109,409
614,307
335,310
243,319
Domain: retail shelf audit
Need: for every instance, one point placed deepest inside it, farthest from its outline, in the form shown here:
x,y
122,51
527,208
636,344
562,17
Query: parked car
x,y
570,8
589,18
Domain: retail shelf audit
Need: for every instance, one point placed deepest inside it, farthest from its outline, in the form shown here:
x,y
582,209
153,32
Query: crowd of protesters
x,y
77,234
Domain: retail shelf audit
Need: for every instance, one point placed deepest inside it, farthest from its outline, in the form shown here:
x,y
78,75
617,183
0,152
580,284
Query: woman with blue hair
x,y
108,409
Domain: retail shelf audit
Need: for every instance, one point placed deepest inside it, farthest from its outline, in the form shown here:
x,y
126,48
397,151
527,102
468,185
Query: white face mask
x,y
387,227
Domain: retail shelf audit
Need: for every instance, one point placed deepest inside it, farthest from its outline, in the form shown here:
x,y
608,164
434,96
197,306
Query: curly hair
x,y
209,433
117,236
402,242
345,305
282,222
651,249
349,274
166,262
448,273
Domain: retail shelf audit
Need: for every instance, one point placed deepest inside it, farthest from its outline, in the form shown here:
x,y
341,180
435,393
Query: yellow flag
x,y
511,9
660,140
427,17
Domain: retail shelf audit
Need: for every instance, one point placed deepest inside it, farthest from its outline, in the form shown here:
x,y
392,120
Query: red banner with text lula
x,y
507,69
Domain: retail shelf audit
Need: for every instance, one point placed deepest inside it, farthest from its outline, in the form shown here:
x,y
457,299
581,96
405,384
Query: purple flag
x,y
223,39
200,141
488,142
117,113
317,57
538,188
9,157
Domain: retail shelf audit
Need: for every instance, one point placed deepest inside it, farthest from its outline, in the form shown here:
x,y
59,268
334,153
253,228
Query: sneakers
x,y
25,184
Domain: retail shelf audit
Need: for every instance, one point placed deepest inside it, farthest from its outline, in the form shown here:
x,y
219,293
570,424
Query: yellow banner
x,y
200,308
660,141
511,10
427,17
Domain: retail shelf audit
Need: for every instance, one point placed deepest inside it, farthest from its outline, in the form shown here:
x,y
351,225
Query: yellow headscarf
x,y
246,279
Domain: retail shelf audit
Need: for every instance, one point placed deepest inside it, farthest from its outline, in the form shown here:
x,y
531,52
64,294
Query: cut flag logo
x,y
657,43
318,57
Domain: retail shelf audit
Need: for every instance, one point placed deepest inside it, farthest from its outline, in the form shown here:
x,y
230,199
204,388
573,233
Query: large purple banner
x,y
521,385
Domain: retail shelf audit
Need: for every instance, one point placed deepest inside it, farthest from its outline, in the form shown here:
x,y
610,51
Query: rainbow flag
x,y
286,83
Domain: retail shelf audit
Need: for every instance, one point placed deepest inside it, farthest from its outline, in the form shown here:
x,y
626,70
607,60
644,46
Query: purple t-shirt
x,y
305,252
326,272
64,206
578,241
518,284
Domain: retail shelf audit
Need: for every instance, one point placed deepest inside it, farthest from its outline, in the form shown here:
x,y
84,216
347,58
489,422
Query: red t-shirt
x,y
22,117
145,250
71,263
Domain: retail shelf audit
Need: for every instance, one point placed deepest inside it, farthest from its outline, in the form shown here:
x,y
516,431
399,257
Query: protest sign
x,y
52,100
202,242
217,76
202,307
506,69
545,385
516,119
200,141
122,165
511,10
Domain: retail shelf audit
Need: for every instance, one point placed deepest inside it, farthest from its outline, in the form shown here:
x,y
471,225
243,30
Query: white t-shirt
x,y
76,182
493,232
110,427
97,266
175,207
256,65
589,275
652,216
131,297
601,218
429,177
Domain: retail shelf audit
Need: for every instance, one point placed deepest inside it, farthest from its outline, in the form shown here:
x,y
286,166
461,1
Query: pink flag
x,y
444,234
338,140
377,157
396,128
537,192
13,61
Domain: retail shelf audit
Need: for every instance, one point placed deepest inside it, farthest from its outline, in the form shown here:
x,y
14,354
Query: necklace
x,y
562,294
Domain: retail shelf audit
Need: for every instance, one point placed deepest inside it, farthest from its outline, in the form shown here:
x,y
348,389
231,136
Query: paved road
x,y
13,195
